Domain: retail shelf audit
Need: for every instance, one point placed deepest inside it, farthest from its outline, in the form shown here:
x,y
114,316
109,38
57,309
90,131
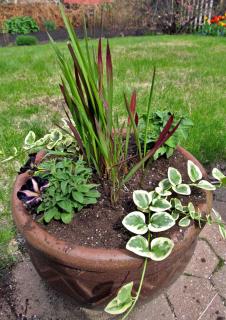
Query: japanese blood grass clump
x,y
103,140
157,211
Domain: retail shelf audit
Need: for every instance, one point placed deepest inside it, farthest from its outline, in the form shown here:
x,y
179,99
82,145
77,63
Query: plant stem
x,y
139,290
141,280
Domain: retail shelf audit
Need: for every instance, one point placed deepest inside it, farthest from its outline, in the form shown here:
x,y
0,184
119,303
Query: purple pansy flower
x,y
31,192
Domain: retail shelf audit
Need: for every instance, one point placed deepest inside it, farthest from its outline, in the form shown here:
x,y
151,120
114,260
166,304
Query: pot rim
x,y
95,259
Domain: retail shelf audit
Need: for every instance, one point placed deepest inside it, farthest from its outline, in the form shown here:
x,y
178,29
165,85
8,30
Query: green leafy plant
x,y
156,122
212,29
69,189
88,93
49,25
58,142
26,40
159,210
20,25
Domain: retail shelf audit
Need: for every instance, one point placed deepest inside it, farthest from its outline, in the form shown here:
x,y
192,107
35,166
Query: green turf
x,y
191,78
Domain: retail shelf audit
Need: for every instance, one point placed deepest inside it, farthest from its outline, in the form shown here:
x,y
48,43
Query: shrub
x,y
26,40
21,25
49,25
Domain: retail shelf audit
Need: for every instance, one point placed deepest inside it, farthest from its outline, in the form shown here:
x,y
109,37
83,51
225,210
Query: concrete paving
x,y
199,294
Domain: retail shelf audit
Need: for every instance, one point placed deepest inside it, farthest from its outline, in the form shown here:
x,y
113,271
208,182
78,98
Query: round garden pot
x,y
92,276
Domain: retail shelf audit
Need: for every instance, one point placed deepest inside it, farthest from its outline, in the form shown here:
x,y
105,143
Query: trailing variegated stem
x,y
139,289
141,280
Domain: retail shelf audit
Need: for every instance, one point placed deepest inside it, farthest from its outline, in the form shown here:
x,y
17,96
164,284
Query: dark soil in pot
x,y
100,225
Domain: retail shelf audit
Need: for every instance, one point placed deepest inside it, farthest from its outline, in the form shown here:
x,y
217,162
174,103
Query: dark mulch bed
x,y
61,34
100,225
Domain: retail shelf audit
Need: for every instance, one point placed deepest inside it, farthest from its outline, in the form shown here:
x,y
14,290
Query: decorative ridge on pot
x,y
90,258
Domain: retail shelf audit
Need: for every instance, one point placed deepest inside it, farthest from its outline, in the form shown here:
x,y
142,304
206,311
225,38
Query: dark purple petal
x,y
30,192
44,186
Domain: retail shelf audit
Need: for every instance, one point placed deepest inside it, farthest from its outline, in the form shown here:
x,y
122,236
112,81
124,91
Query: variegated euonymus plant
x,y
157,211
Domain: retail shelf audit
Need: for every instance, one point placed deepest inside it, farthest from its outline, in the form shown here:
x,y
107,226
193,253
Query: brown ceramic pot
x,y
92,276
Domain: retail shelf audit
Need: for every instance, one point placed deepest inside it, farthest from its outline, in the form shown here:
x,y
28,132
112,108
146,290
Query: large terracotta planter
x,y
93,275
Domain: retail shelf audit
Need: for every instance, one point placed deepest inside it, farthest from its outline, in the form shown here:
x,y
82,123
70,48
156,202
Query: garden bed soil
x,y
100,225
61,34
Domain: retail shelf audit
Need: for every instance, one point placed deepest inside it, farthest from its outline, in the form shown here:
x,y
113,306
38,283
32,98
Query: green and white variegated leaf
x,y
143,210
55,137
194,172
175,215
217,215
163,193
29,140
161,221
191,210
174,176
222,231
139,246
125,293
122,302
217,174
161,248
42,141
206,185
184,222
165,184
135,222
152,195
141,199
160,205
176,203
182,189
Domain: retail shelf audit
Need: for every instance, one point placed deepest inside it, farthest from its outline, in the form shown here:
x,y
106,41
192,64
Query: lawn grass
x,y
191,77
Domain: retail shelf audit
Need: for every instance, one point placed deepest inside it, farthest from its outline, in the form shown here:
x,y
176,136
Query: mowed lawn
x,y
191,79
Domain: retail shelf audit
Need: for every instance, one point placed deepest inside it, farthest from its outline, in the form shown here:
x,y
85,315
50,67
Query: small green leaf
x,y
165,184
174,176
66,217
223,182
65,205
114,308
163,193
87,200
49,215
176,204
93,194
160,205
182,189
175,215
63,186
77,196
206,185
194,172
161,248
161,221
222,231
217,174
135,222
141,199
216,215
125,293
29,140
191,210
184,222
139,246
